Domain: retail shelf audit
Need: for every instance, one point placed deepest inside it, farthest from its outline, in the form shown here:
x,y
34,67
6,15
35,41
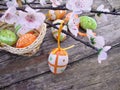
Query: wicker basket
x,y
29,50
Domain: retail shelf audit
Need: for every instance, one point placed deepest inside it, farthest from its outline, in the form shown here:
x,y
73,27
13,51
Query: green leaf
x,y
92,40
99,51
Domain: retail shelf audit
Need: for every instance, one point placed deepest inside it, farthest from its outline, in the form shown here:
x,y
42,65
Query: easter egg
x,y
88,23
58,60
25,40
56,14
8,37
55,31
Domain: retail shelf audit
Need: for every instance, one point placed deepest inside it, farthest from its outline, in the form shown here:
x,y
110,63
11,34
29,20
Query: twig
x,y
77,39
112,13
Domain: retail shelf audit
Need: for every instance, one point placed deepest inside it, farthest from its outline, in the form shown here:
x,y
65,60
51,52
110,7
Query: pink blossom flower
x,y
10,16
31,18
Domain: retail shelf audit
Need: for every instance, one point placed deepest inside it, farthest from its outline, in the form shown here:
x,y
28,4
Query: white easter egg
x,y
58,61
55,31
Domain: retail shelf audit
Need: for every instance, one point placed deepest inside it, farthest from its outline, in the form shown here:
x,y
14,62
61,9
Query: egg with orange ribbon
x,y
56,14
58,60
55,31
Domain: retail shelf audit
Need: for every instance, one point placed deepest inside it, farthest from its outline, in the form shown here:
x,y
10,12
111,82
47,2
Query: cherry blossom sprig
x,y
98,42
71,35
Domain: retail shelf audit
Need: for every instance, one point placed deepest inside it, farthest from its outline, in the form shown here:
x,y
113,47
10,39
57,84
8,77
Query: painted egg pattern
x,y
55,31
58,61
25,40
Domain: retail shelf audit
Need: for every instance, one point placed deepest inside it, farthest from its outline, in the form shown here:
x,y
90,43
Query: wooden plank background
x,y
83,72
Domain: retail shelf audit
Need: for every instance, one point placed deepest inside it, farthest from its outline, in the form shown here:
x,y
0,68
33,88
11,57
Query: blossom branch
x,y
77,39
61,7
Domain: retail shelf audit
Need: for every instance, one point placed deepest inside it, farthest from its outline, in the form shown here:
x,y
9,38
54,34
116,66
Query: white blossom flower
x,y
79,6
98,42
10,16
72,24
56,3
101,17
31,18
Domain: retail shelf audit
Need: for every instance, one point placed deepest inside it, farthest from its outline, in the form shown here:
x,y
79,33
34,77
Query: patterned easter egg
x,y
57,61
25,40
56,14
88,23
8,37
55,31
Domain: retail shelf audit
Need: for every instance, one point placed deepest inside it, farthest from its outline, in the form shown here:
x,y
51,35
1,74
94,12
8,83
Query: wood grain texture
x,y
115,3
32,73
83,75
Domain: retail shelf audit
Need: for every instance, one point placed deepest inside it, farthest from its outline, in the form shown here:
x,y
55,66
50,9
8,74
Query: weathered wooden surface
x,y
115,3
82,75
32,73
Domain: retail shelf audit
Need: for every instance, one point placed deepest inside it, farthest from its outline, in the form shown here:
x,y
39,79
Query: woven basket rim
x,y
30,48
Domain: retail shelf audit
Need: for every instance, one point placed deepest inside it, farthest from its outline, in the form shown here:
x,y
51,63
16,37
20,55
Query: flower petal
x,y
106,48
100,42
73,30
30,10
10,16
90,34
101,7
56,3
102,56
12,3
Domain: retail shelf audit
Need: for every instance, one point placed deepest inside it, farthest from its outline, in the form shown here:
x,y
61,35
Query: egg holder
x,y
29,50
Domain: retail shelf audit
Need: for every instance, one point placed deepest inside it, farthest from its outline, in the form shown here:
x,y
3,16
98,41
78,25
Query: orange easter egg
x,y
58,60
25,40
60,14
56,14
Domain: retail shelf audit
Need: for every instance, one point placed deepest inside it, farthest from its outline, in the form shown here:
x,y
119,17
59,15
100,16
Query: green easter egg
x,y
8,37
88,23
